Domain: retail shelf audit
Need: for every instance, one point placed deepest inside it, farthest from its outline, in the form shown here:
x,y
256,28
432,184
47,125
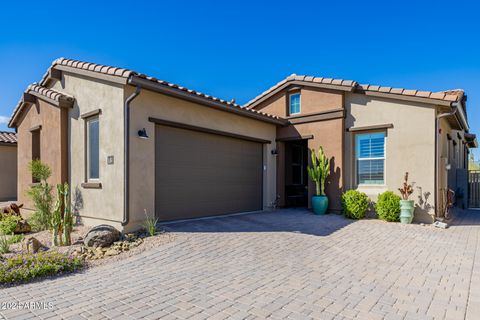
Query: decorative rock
x,y
22,227
111,252
102,236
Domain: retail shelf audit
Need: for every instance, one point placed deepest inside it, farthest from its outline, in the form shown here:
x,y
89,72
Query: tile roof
x,y
8,137
448,95
126,73
42,91
48,93
326,81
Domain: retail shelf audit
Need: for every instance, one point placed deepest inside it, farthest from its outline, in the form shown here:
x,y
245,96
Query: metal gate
x,y
474,189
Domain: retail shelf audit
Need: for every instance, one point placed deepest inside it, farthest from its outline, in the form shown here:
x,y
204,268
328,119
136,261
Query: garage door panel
x,y
202,174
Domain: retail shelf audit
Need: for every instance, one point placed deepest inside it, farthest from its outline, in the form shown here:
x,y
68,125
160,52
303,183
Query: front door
x,y
296,177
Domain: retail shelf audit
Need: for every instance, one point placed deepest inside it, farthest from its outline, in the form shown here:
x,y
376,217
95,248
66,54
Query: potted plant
x,y
406,206
318,172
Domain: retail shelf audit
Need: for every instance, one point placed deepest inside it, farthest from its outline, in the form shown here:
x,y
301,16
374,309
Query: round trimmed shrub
x,y
354,204
388,206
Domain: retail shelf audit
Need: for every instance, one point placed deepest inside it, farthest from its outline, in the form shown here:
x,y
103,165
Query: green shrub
x,y
388,206
150,224
354,204
22,268
16,238
4,244
8,224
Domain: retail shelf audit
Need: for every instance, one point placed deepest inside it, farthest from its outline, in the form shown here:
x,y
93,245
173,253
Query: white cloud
x,y
4,120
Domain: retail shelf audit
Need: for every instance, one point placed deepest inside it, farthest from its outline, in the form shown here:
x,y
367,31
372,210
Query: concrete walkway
x,y
287,264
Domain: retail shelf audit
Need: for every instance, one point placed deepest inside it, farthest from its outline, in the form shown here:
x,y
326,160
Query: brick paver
x,y
287,264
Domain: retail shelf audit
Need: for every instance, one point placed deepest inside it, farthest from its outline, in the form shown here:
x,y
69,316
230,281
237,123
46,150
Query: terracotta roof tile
x,y
8,137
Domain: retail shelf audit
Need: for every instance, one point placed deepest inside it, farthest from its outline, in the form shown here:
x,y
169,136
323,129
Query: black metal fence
x,y
474,189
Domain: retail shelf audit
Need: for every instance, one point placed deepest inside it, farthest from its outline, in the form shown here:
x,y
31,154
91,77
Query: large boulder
x,y
101,236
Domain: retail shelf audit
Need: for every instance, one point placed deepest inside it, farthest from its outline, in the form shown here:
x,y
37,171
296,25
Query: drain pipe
x,y
455,106
126,154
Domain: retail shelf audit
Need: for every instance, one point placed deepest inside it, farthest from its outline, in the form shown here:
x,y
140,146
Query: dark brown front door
x,y
202,174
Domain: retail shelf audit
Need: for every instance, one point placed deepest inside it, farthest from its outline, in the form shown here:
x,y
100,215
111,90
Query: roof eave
x,y
263,97
171,91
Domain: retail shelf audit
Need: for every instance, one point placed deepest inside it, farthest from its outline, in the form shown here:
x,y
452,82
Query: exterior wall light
x,y
142,134
275,152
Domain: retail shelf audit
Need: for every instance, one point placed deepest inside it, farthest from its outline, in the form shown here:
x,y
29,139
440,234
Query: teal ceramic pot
x,y
406,211
319,204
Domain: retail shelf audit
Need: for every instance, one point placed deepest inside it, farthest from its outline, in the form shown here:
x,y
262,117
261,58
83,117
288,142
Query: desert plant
x,y
24,267
319,171
407,189
62,221
56,218
8,224
67,216
4,244
41,195
354,204
150,224
388,206
15,238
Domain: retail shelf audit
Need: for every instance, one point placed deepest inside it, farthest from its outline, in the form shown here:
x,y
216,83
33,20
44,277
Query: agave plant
x,y
319,170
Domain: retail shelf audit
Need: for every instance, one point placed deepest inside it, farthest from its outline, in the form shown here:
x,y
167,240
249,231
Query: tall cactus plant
x,y
56,218
62,222
67,216
319,170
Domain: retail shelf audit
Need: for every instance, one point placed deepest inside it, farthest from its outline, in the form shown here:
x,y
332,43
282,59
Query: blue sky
x,y
237,49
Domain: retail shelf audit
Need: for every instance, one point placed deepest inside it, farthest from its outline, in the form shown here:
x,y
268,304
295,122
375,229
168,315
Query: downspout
x,y
455,106
126,155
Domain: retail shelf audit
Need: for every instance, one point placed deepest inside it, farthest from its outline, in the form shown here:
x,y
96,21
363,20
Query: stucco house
x,y
8,166
127,142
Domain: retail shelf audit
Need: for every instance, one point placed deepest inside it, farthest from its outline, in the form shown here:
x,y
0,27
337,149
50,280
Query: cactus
x,y
319,171
56,219
67,216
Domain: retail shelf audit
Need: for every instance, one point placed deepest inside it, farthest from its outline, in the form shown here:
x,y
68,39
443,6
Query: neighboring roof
x,y
50,95
443,97
124,76
327,83
8,137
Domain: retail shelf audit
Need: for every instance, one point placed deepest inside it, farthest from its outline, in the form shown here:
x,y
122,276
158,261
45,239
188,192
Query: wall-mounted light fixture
x,y
275,152
142,134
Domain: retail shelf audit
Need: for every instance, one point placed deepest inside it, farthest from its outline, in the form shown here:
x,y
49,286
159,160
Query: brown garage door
x,y
202,174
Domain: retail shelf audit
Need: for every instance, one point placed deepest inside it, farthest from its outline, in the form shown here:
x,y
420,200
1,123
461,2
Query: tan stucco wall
x,y
8,172
410,146
326,133
142,152
52,145
90,94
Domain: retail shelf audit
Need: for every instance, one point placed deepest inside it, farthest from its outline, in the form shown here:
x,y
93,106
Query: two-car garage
x,y
199,172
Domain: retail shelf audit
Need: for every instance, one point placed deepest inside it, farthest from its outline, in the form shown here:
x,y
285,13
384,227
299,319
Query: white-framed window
x,y
370,158
93,149
294,104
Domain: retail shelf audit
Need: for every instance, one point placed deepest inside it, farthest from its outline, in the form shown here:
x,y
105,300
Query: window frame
x,y
290,113
384,158
87,148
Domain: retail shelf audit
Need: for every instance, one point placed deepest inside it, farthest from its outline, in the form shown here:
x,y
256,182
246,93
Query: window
x,y
294,103
35,148
93,149
370,156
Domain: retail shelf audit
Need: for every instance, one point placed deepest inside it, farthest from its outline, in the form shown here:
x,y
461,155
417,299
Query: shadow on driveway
x,y
283,220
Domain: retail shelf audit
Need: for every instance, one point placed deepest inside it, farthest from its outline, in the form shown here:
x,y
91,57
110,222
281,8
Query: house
x,y
375,135
129,143
8,168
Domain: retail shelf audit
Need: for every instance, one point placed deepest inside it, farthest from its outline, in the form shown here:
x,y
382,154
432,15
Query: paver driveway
x,y
285,264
